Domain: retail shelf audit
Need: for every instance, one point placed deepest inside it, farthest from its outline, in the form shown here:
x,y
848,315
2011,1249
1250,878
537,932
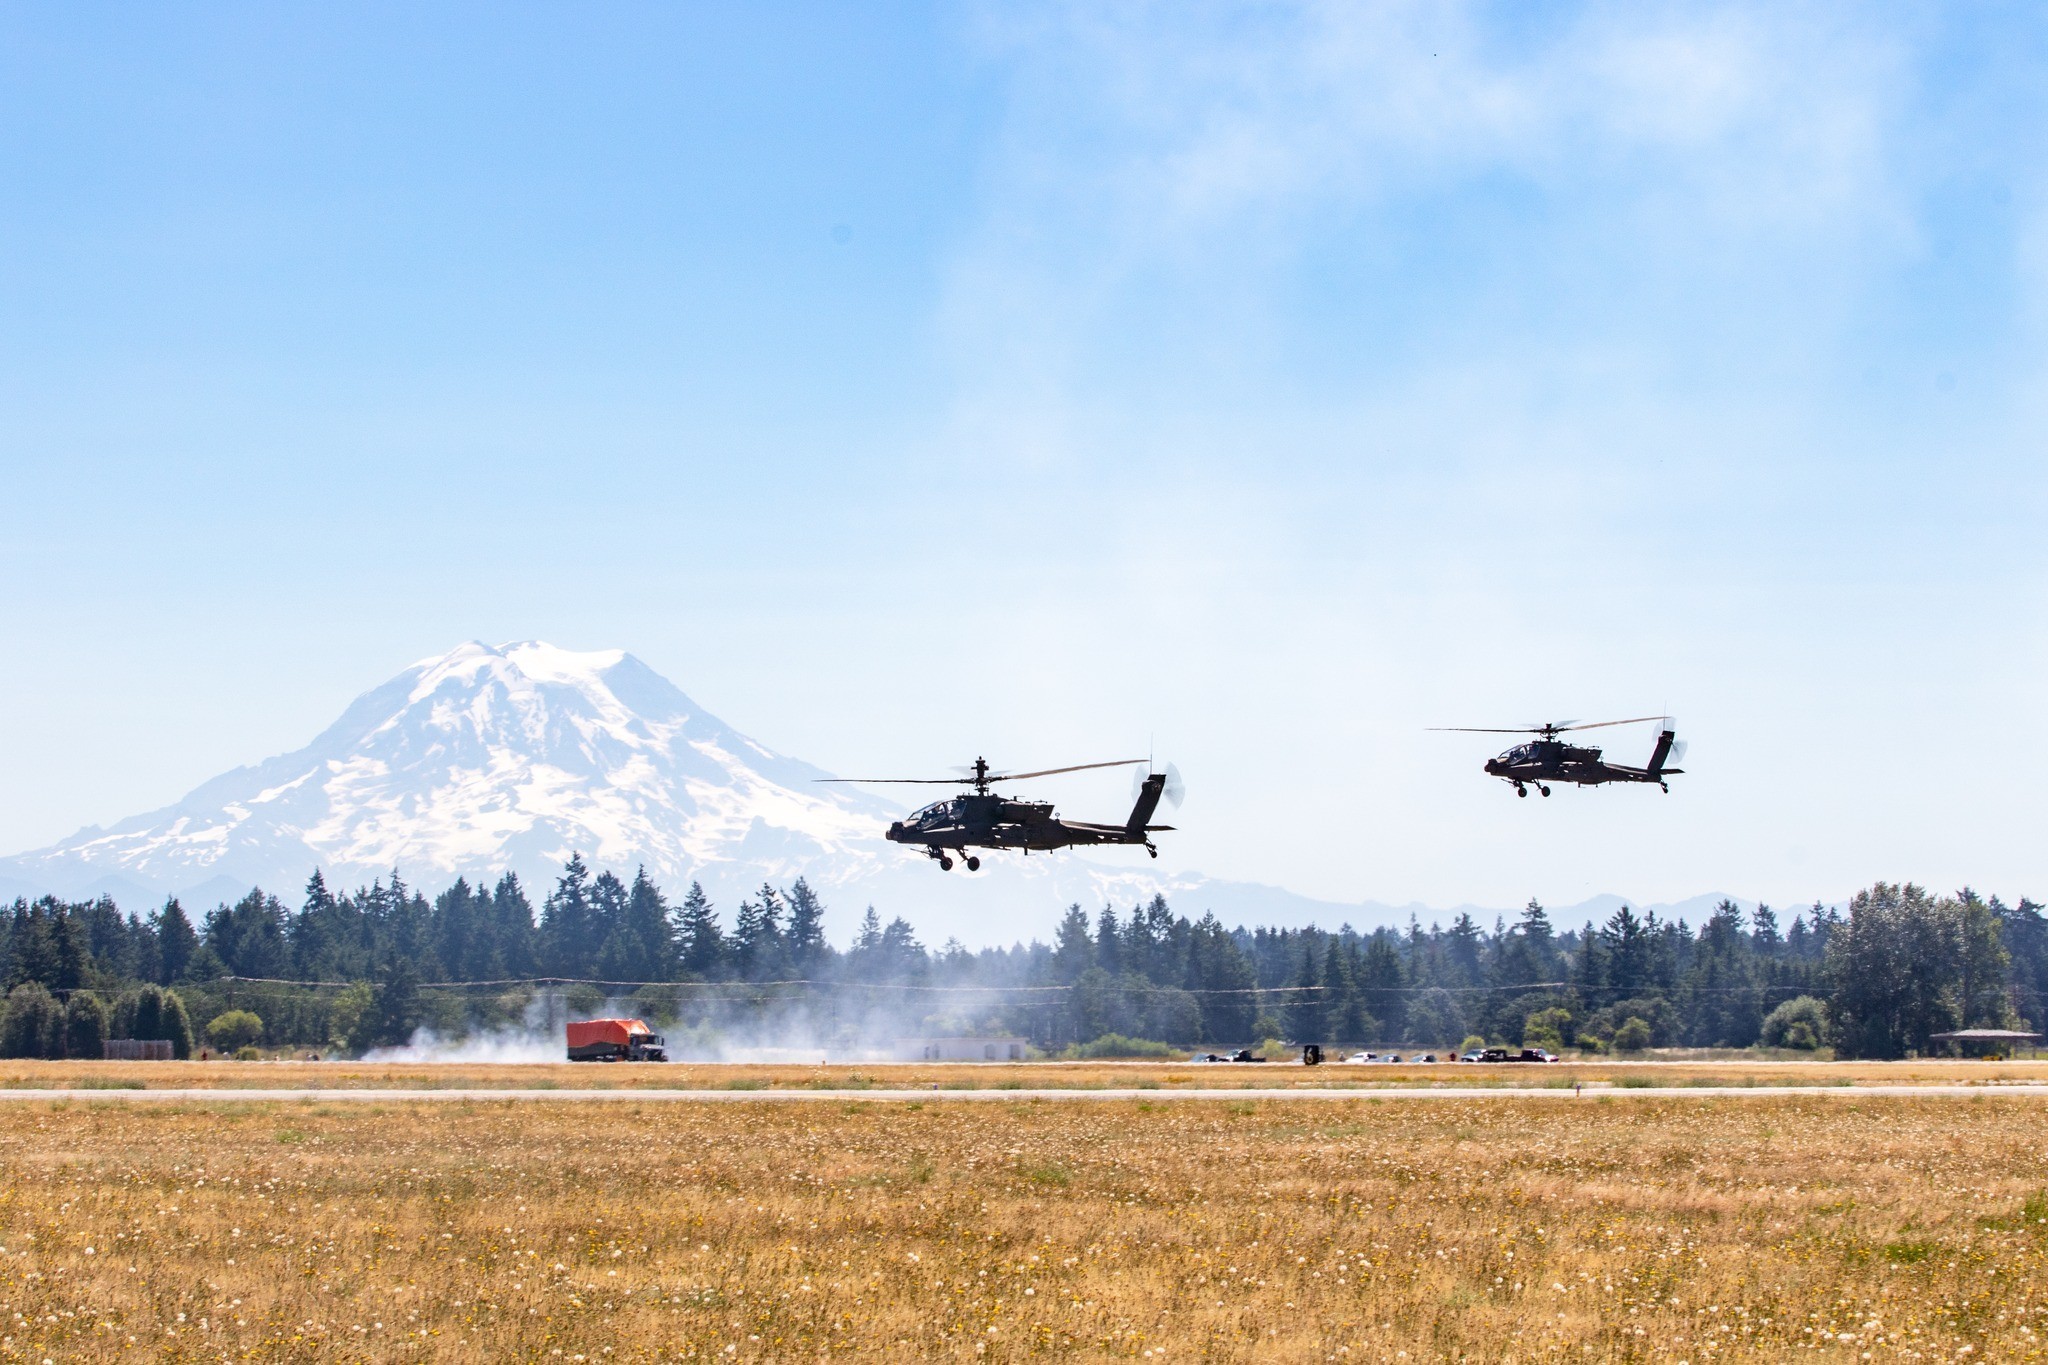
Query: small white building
x,y
960,1049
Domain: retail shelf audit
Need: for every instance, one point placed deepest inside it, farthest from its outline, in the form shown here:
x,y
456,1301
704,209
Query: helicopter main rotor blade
x,y
1601,724
1556,729
1076,768
900,781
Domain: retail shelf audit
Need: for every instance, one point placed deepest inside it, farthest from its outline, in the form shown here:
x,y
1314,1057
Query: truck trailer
x,y
614,1040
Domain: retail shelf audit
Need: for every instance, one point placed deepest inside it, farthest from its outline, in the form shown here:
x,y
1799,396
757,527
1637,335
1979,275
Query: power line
x,y
756,988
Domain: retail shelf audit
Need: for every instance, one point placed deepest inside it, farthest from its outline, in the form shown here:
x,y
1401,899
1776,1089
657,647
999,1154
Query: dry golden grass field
x,y
980,1076
1838,1227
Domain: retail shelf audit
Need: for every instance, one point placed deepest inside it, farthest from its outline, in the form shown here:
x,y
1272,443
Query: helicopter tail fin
x,y
1662,753
1147,803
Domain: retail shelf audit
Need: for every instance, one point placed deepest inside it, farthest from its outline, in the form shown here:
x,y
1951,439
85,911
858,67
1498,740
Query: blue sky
x,y
1267,383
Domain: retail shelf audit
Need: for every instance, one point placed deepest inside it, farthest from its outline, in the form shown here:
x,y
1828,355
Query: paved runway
x,y
2033,1090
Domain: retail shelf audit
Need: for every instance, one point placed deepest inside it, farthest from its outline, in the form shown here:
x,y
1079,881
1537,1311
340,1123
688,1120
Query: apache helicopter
x,y
984,819
1547,760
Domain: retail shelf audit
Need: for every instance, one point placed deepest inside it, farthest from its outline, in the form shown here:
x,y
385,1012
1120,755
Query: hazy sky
x,y
1263,383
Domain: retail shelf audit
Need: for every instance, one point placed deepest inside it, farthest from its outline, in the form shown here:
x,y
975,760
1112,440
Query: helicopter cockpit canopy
x,y
936,813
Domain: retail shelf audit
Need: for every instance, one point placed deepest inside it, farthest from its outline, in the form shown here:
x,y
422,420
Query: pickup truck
x,y
1507,1054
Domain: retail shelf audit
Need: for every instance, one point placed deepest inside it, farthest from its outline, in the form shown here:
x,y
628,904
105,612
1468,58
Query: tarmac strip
x,y
764,1096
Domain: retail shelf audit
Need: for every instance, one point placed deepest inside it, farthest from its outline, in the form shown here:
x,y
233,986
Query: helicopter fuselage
x,y
1544,761
988,820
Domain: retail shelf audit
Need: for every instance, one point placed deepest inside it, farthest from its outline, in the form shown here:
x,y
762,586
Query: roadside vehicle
x,y
614,1040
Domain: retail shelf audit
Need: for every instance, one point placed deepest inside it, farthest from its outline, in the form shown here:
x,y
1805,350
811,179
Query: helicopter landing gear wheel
x,y
974,864
945,864
1152,849
1521,790
1666,786
1544,790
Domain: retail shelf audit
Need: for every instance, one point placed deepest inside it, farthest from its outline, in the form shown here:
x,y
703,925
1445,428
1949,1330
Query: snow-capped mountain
x,y
487,760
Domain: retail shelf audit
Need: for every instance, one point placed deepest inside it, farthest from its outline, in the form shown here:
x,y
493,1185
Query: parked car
x,y
1362,1057
1475,1055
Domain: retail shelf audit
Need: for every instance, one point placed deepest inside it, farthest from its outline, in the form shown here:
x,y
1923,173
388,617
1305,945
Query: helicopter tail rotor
x,y
1670,748
1173,791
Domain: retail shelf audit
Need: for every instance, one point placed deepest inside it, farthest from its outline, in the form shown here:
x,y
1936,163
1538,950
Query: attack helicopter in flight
x,y
1549,759
982,818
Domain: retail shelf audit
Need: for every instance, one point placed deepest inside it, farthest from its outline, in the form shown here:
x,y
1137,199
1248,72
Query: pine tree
x,y
1155,939
1629,949
1718,996
398,1006
249,936
702,941
1073,950
512,923
1382,980
456,930
1462,953
807,948
903,956
31,949
758,948
1304,1010
1589,969
1336,1009
73,950
870,938
647,923
565,943
110,940
1109,954
409,931
1223,980
607,911
1529,957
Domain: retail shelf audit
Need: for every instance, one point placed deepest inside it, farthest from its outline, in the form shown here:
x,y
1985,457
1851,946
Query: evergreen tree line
x,y
1876,981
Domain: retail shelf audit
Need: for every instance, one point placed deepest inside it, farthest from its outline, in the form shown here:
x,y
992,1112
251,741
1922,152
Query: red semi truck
x,y
614,1040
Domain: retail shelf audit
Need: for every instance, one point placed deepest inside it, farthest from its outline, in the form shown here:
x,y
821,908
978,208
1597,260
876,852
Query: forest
x,y
352,971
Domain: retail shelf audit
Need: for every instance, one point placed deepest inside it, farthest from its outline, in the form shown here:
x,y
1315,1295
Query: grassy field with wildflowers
x,y
1843,1227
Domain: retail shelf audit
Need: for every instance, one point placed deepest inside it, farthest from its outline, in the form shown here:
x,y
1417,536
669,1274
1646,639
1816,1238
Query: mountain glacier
x,y
487,760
